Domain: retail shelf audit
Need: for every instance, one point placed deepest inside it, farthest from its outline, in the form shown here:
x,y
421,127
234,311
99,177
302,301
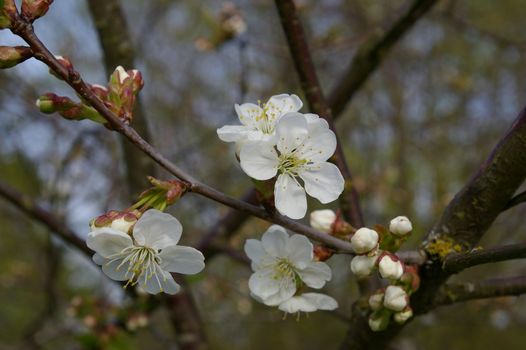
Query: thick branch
x,y
371,54
311,87
458,262
27,205
25,31
516,200
117,48
491,288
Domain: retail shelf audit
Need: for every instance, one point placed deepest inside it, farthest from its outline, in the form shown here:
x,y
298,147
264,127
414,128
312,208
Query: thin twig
x,y
458,262
491,288
301,56
72,77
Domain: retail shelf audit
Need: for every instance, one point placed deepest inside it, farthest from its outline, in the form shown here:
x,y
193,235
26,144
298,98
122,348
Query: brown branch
x,y
33,210
371,54
72,77
491,288
458,262
516,200
117,49
301,56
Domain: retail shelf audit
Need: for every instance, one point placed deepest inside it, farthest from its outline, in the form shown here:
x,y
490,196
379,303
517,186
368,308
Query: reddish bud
x,y
322,253
11,56
34,9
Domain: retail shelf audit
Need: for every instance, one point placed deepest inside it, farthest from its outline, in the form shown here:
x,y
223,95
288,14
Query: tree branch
x,y
458,262
371,54
33,210
72,77
516,200
491,288
301,56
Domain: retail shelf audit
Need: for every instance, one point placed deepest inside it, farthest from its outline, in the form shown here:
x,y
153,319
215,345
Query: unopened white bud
x,y
363,265
390,267
378,321
395,299
122,74
322,220
376,301
364,240
402,316
121,224
400,226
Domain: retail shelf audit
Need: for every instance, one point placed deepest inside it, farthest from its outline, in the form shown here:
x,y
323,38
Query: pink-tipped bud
x,y
395,299
390,267
34,9
364,240
11,56
118,220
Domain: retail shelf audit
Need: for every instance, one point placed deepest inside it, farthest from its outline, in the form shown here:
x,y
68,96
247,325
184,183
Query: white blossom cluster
x,y
276,142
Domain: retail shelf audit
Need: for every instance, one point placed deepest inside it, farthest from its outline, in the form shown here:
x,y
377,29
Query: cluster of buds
x,y
375,251
31,10
120,97
329,222
228,25
161,194
118,220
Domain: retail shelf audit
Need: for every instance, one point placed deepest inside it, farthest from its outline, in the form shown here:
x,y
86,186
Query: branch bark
x,y
301,56
372,53
458,262
491,288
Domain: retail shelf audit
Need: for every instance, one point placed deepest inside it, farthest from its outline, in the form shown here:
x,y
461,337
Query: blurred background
x,y
413,135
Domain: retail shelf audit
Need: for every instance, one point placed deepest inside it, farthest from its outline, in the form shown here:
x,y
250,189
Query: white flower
x,y
400,226
148,255
259,122
308,302
304,143
363,265
364,240
376,300
322,220
395,298
390,267
281,263
402,316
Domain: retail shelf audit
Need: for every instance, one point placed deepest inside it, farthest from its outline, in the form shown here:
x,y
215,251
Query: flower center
x,y
142,263
267,119
290,164
285,271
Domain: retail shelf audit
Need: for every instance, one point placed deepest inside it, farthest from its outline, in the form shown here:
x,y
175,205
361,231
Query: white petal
x,y
297,304
287,288
274,241
299,251
279,105
319,145
116,272
315,274
259,160
290,197
98,259
232,133
255,252
248,114
107,242
323,182
322,301
180,259
157,230
291,131
162,282
263,284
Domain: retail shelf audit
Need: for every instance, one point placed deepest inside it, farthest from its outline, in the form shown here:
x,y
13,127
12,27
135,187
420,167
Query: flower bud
x,y
390,267
121,74
11,56
379,320
363,265
395,298
7,13
322,253
376,300
364,240
120,221
34,9
322,220
402,316
400,226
